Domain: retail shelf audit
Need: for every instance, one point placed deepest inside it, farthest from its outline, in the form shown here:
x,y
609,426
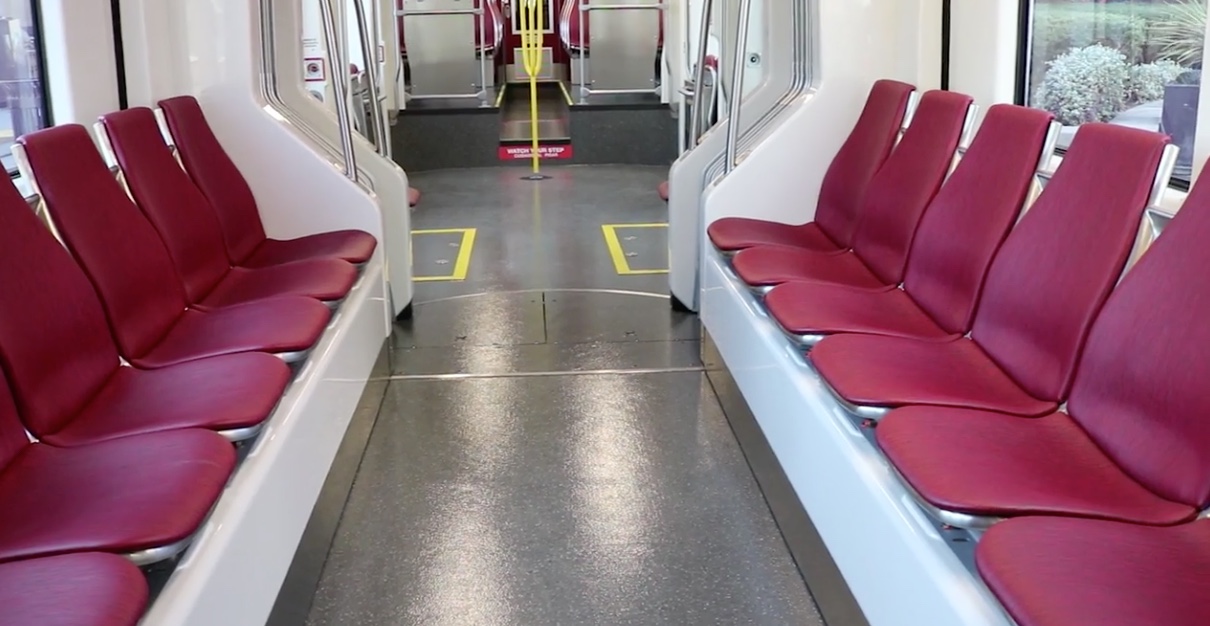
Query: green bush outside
x,y
1090,61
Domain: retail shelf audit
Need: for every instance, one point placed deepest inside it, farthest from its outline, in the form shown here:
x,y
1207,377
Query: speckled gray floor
x,y
569,463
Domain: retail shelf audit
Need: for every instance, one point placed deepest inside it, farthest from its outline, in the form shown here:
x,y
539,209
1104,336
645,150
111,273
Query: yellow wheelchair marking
x,y
462,264
620,265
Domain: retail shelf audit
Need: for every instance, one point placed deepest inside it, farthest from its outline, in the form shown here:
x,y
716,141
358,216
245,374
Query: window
x,y
22,93
1131,62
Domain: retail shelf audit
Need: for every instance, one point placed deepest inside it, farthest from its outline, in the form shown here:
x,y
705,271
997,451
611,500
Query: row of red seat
x,y
136,352
1012,382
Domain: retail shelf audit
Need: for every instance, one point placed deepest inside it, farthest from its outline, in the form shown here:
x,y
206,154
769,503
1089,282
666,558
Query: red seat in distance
x,y
662,190
894,202
229,196
413,196
1044,288
124,496
132,272
86,589
1134,444
1062,571
837,209
188,227
64,367
957,238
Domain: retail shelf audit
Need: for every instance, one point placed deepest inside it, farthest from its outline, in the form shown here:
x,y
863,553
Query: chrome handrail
x,y
737,83
699,74
371,58
341,81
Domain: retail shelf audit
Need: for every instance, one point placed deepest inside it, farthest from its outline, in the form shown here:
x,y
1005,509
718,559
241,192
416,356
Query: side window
x,y
23,101
1130,62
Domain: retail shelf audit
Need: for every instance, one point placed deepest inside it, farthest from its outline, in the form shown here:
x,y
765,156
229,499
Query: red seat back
x,y
1140,389
55,348
1053,273
12,433
216,176
867,147
118,249
905,185
972,213
169,199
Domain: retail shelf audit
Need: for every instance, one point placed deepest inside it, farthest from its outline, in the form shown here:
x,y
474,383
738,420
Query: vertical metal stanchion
x,y
341,82
737,83
531,53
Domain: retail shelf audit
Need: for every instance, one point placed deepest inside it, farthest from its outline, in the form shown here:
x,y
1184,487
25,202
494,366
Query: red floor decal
x,y
559,151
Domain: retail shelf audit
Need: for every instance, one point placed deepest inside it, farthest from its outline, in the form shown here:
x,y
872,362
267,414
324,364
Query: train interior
x,y
320,312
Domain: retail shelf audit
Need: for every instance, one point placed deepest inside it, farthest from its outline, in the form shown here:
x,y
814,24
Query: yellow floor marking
x,y
620,265
462,264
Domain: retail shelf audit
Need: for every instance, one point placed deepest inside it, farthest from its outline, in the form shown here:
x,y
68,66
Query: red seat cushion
x,y
992,464
662,190
220,393
808,308
322,279
737,233
894,371
413,196
86,589
773,265
838,207
278,325
1063,572
121,496
353,246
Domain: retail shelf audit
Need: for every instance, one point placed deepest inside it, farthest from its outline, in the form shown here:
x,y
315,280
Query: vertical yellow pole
x,y
531,50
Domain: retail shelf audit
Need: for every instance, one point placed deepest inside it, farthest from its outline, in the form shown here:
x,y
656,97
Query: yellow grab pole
x,y
531,53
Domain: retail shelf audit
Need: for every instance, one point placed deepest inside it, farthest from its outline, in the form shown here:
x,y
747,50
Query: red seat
x,y
64,367
188,227
662,190
1044,287
231,199
130,269
86,589
1134,445
891,208
413,196
1061,572
123,496
837,208
954,245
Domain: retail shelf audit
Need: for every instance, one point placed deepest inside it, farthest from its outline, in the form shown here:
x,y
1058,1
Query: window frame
x,y
35,11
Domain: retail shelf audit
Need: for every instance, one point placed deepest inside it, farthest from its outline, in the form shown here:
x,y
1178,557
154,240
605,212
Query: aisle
x,y
548,450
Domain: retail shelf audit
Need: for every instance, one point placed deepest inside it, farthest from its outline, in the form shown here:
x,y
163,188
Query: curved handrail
x,y
341,81
699,75
737,83
377,120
